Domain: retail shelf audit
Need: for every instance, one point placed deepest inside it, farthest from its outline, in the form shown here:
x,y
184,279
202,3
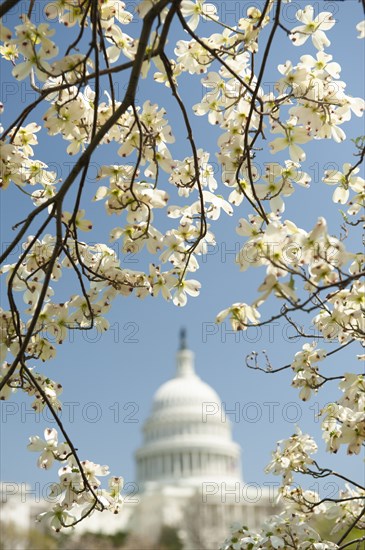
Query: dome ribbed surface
x,y
188,390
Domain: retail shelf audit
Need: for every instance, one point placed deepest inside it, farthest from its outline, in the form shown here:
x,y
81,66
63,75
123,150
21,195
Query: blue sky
x,y
110,379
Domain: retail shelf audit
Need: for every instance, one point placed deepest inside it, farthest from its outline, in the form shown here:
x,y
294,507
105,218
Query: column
x,y
186,464
194,456
160,468
176,465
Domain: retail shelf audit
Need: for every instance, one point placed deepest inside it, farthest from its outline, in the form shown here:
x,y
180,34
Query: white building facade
x,y
189,467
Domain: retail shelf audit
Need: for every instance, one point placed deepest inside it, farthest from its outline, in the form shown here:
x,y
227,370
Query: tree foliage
x,y
308,270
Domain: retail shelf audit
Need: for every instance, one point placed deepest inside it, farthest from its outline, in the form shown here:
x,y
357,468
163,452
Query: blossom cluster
x,y
292,455
344,421
305,367
278,532
78,491
297,524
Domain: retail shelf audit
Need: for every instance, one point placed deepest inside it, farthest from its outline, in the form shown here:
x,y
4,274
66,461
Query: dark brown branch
x,y
351,527
68,441
7,5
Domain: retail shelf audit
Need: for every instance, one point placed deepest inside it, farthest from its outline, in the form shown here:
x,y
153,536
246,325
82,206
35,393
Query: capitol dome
x,y
183,390
187,437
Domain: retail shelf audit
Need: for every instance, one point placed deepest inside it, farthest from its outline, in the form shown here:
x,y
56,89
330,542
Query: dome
x,y
187,437
184,390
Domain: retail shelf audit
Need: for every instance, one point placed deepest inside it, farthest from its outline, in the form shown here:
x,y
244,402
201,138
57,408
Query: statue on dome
x,y
183,344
